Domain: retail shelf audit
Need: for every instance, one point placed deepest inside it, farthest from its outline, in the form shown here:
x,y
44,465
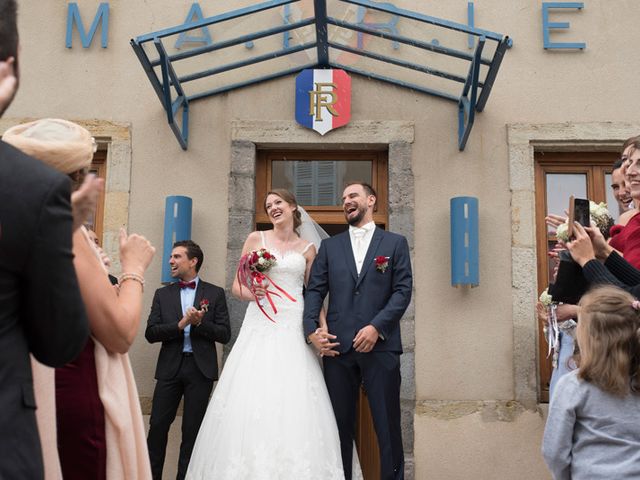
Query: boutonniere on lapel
x,y
382,263
204,305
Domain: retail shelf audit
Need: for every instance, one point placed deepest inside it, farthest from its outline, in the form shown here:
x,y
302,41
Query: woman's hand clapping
x,y
136,252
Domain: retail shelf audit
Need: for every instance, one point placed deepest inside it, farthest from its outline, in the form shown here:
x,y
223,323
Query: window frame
x,y
595,165
325,214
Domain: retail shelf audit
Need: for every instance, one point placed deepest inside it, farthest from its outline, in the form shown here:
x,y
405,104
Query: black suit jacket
x,y
162,326
41,310
373,297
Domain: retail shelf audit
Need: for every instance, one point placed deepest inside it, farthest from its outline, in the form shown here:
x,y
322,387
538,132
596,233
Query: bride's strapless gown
x,y
270,416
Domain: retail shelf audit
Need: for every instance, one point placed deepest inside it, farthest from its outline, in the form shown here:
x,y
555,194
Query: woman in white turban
x,y
100,428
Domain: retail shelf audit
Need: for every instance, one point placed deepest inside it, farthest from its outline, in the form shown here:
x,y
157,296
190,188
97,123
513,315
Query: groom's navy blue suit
x,y
372,298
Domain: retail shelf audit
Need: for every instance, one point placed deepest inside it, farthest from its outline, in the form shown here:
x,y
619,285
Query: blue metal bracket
x,y
467,103
175,94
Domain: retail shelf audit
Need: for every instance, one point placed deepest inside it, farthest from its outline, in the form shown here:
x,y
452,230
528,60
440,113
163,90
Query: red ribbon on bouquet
x,y
251,271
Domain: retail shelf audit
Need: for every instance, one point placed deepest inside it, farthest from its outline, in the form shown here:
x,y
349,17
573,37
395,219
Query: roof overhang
x,y
305,34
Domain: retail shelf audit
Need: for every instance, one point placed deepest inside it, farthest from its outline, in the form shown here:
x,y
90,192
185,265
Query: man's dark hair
x,y
8,30
618,163
368,189
193,250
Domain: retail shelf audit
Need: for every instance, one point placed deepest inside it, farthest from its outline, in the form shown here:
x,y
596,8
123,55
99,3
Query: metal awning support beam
x,y
400,63
406,40
169,79
237,41
205,22
408,85
459,27
322,39
467,104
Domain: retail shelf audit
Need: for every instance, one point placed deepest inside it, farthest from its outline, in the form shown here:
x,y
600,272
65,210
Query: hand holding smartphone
x,y
578,212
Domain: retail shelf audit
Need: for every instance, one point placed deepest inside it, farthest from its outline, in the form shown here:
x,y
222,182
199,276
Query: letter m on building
x,y
73,17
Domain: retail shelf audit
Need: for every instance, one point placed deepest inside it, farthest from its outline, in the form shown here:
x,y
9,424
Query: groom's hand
x,y
322,341
365,339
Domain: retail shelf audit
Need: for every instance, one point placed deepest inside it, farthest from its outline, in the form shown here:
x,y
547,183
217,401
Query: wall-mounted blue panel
x,y
177,226
464,242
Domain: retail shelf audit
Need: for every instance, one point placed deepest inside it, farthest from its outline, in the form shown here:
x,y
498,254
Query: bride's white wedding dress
x,y
270,416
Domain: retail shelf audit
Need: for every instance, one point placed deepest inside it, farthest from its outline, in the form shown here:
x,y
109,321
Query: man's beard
x,y
356,218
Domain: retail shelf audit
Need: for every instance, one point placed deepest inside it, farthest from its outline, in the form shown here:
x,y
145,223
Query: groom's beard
x,y
356,218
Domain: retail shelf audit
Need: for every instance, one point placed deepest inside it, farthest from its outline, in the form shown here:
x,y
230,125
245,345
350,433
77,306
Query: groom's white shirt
x,y
360,247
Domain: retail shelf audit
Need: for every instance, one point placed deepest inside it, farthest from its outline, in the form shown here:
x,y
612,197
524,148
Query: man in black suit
x,y
188,317
41,310
367,273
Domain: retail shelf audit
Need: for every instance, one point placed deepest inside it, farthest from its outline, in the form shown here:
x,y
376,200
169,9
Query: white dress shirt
x,y
360,240
187,297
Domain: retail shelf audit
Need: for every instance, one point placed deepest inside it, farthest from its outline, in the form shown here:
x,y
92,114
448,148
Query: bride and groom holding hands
x,y
272,415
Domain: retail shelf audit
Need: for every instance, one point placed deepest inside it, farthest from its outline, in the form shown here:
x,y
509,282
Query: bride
x,y
270,416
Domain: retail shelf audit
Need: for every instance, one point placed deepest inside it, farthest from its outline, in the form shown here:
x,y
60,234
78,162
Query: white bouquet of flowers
x,y
545,298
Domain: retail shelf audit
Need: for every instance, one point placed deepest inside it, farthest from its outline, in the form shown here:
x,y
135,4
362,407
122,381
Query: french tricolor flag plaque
x,y
323,99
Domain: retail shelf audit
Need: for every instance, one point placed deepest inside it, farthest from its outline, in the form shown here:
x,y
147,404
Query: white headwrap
x,y
63,145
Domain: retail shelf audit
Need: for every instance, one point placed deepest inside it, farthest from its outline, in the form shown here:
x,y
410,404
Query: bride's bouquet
x,y
252,270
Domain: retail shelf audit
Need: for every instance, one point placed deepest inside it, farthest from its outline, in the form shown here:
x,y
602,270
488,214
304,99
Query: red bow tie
x,y
191,284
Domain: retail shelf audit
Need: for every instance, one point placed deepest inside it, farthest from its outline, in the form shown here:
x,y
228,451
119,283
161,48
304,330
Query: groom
x,y
367,274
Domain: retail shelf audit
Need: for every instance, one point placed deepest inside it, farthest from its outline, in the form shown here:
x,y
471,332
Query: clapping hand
x,y
194,317
136,252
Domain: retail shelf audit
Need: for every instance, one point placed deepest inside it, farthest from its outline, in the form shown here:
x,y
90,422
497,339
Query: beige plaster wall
x,y
464,338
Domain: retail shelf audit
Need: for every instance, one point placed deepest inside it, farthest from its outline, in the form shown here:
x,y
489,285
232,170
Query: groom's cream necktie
x,y
358,247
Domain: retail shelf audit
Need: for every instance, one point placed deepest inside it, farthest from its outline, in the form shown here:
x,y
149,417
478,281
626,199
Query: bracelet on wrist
x,y
131,276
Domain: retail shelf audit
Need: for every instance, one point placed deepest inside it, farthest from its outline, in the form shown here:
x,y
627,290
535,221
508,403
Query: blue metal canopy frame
x,y
473,98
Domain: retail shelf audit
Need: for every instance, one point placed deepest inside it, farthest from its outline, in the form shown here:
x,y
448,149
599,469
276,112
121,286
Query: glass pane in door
x,y
560,186
318,182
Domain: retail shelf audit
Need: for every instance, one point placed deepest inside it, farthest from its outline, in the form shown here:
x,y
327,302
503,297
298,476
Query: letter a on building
x,y
323,99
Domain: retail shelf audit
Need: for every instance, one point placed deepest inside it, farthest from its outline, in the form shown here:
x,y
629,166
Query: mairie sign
x,y
323,99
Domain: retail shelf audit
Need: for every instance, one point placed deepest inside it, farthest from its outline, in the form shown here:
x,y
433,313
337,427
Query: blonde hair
x,y
290,198
609,341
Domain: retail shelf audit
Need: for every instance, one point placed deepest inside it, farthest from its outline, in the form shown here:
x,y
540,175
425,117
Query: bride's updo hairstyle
x,y
288,197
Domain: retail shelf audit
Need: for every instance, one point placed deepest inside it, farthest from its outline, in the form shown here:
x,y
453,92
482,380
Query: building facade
x,y
474,372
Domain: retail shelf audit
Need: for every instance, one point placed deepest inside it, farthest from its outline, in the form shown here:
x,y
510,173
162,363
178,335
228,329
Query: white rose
x,y
545,298
261,261
562,232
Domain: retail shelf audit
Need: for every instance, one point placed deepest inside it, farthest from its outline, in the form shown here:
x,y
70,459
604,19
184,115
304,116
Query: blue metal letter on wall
x,y
194,15
177,226
547,25
464,242
73,16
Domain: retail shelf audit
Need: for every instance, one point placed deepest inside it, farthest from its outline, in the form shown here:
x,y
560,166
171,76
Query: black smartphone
x,y
581,212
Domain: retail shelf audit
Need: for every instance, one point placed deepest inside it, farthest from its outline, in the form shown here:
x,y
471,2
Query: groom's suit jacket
x,y
373,297
162,326
41,310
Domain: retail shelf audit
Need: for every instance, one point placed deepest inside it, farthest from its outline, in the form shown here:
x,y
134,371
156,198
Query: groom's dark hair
x,y
368,189
193,250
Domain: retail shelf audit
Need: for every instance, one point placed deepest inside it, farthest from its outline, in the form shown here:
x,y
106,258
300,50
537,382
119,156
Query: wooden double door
x,y
317,179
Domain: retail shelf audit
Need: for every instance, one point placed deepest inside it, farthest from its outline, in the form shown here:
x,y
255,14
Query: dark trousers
x,y
196,389
380,373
